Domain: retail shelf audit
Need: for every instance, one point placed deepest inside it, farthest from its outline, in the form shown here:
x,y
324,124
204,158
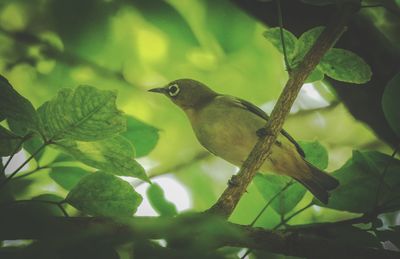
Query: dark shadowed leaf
x,y
16,107
33,142
67,177
316,154
390,103
159,202
143,136
270,185
9,142
114,155
360,179
273,36
84,113
344,65
104,194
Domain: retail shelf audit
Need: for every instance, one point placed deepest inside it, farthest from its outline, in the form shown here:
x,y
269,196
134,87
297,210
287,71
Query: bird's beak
x,y
158,90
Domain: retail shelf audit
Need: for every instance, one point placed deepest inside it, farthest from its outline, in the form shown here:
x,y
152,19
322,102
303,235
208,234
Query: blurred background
x,y
132,46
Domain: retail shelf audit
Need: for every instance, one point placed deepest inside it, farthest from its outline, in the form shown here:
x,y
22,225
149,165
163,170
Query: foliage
x,y
70,154
339,64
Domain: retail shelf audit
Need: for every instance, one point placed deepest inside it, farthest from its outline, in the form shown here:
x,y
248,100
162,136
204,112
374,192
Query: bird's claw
x,y
233,182
263,132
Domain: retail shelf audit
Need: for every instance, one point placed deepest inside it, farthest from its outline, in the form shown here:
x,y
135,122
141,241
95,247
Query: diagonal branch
x,y
232,194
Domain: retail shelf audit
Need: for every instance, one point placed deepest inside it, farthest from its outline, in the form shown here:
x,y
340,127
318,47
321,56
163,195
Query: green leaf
x,y
273,35
159,202
9,142
316,75
114,155
33,142
359,181
270,185
84,114
344,65
104,194
390,103
316,154
143,136
16,107
306,41
67,177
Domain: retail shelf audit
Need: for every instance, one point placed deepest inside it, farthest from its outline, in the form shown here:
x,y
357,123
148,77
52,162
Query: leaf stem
x,y
286,220
39,168
15,152
280,21
23,164
270,201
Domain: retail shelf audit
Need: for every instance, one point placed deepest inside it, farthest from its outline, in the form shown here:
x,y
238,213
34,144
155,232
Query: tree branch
x,y
294,242
232,194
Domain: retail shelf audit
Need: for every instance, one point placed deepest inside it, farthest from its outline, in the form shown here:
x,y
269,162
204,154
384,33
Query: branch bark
x,y
232,194
73,231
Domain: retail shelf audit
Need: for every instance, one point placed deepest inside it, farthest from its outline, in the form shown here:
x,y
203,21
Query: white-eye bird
x,y
229,128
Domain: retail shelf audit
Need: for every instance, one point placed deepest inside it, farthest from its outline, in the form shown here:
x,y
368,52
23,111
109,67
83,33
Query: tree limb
x,y
75,230
232,194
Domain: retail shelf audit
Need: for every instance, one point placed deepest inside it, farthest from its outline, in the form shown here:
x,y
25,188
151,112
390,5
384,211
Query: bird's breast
x,y
228,134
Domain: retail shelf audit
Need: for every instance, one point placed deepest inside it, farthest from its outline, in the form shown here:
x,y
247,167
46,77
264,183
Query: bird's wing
x,y
256,110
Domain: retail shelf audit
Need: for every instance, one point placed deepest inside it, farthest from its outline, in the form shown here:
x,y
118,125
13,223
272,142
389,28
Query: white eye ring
x,y
173,90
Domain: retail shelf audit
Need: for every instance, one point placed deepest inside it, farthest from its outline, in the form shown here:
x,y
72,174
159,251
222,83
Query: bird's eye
x,y
173,90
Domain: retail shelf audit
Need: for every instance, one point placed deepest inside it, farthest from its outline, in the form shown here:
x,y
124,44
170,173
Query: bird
x,y
229,127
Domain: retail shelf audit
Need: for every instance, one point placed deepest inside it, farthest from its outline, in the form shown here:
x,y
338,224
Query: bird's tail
x,y
318,183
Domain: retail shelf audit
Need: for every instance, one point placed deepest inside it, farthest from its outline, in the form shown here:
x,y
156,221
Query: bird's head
x,y
187,93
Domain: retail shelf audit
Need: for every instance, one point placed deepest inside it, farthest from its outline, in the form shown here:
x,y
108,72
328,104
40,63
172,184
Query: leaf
x,y
344,65
316,154
390,103
33,140
143,136
48,208
67,177
273,35
16,107
316,75
159,202
104,194
270,185
359,181
306,41
84,114
9,142
114,155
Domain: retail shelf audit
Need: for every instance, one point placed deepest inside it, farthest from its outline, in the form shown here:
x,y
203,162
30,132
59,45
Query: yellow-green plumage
x,y
227,126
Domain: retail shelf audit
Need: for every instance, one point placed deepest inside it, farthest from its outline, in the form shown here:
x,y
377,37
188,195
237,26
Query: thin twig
x,y
286,220
39,168
270,201
14,152
23,164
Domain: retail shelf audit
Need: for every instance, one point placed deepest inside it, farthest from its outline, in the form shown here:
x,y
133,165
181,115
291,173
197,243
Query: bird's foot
x,y
233,182
263,132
